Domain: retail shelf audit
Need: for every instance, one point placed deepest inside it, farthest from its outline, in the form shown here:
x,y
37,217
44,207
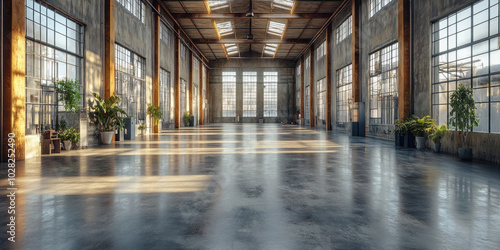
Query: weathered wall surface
x,y
285,69
341,56
375,33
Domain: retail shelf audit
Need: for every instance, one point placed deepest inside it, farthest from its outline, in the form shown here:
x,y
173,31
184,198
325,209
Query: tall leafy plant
x,y
69,91
155,113
463,112
105,113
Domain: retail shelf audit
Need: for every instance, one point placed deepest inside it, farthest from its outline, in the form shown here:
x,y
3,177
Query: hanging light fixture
x,y
250,14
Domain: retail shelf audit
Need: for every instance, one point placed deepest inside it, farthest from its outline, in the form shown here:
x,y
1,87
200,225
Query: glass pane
x,y
482,113
495,117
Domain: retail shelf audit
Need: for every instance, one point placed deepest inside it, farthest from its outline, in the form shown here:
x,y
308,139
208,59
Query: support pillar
x,y
109,47
404,98
328,78
302,111
13,99
355,51
312,121
177,82
156,64
191,104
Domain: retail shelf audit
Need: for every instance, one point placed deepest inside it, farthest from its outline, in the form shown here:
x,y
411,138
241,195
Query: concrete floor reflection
x,y
254,186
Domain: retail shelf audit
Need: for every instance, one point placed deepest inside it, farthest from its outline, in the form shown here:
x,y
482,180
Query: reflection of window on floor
x,y
270,94
165,95
344,93
466,51
321,97
383,84
130,82
228,94
53,52
249,94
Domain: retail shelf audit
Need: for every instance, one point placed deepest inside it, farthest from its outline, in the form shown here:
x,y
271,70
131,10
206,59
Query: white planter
x,y
107,137
67,145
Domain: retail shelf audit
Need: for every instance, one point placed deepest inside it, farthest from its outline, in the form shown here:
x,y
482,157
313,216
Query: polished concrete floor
x,y
253,186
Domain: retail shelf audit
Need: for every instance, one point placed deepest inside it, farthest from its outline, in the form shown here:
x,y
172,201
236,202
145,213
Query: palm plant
x,y
106,112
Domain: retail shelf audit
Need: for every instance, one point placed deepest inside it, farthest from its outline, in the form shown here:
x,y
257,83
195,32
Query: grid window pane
x,y
228,94
376,5
130,82
270,94
249,94
165,98
321,97
48,61
471,58
344,93
136,7
343,30
383,85
165,34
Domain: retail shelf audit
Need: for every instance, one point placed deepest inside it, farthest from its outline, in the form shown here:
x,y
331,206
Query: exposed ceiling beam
x,y
255,41
242,16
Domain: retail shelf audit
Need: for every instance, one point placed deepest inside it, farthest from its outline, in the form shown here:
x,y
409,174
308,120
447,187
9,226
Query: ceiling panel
x,y
298,29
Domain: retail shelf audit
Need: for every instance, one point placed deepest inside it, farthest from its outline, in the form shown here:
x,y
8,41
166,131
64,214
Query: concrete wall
x,y
132,34
286,70
341,56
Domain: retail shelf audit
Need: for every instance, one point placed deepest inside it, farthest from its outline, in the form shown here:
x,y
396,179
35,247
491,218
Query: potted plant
x,y
438,134
155,113
404,136
142,127
186,117
420,127
69,137
105,116
69,91
401,128
463,117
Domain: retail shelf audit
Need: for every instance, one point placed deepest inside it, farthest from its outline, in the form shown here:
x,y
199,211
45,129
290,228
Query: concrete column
x,y
156,64
14,54
190,101
177,82
312,122
328,78
200,94
109,47
355,51
404,98
302,87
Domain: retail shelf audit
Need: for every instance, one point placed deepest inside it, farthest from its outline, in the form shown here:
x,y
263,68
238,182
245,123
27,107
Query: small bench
x,y
50,143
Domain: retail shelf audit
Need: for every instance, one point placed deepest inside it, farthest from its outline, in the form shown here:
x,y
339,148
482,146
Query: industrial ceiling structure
x,y
252,28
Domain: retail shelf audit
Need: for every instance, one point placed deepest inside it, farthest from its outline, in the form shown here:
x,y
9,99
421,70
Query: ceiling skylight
x,y
231,49
213,5
225,28
284,4
276,28
270,48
